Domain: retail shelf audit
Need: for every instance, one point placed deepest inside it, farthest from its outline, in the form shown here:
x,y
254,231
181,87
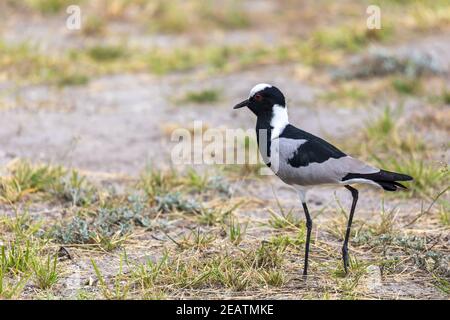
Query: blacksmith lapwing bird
x,y
303,160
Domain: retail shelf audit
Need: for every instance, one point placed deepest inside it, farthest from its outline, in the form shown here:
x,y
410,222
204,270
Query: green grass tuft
x,y
444,214
26,178
46,272
120,286
202,97
236,231
11,288
407,86
158,182
445,97
50,6
76,79
17,257
106,53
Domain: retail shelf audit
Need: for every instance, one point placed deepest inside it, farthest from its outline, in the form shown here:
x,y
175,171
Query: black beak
x,y
241,104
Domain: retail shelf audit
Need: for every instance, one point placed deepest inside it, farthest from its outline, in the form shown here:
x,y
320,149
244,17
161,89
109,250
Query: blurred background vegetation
x,y
218,36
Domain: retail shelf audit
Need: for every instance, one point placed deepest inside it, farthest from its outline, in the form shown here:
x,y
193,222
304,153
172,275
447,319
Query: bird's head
x,y
263,98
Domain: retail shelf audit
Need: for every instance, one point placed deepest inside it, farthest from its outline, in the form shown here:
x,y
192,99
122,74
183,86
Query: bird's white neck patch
x,y
279,120
258,87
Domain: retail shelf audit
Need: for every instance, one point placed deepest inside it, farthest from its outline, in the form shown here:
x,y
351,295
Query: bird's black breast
x,y
314,150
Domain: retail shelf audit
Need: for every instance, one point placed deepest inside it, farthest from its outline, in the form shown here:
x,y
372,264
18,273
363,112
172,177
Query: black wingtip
x,y
386,179
398,184
391,185
394,176
405,177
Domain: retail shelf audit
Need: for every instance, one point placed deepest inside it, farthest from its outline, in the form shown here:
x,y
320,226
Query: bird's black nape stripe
x,y
314,150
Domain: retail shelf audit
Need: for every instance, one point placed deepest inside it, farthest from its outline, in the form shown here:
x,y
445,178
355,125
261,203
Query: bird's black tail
x,y
386,179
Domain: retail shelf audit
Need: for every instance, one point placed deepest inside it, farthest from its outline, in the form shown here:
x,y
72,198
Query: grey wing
x,y
306,162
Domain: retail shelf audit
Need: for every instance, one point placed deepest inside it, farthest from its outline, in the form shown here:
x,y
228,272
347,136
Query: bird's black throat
x,y
263,134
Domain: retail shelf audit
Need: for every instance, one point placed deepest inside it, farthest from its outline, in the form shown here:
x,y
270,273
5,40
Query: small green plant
x,y
442,284
120,286
175,202
382,127
17,257
9,289
22,225
217,215
46,273
284,220
236,231
197,239
75,189
11,191
84,295
109,242
386,225
158,182
284,241
444,214
407,86
195,181
105,53
232,273
50,6
274,278
147,275
76,231
27,178
356,269
76,79
203,96
445,96
267,257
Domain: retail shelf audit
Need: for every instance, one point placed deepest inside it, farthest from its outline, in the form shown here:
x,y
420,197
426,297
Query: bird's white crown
x,y
258,87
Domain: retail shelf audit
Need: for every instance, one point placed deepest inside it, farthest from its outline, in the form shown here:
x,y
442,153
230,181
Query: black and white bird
x,y
303,160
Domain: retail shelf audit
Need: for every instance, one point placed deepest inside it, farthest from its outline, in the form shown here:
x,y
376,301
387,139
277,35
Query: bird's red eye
x,y
258,97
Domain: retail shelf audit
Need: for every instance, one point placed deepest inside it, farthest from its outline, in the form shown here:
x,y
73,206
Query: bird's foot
x,y
305,272
345,259
305,276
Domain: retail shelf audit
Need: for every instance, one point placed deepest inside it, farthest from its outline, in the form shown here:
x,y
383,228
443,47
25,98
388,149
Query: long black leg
x,y
308,237
349,225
